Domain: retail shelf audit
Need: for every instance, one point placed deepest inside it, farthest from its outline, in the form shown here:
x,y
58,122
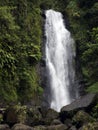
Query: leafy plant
x,y
93,88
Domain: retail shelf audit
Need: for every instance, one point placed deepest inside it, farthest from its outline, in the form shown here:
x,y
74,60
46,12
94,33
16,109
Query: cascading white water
x,y
60,53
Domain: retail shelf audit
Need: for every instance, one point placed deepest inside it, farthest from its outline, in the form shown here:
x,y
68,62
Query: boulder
x,y
43,111
4,127
10,115
34,117
15,114
52,127
73,128
90,126
68,122
40,127
81,118
21,127
57,127
83,103
49,115
56,122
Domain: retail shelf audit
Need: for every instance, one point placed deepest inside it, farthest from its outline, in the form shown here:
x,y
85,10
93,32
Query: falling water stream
x,y
60,54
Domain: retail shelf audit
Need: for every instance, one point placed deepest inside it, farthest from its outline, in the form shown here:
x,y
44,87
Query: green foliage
x,y
8,39
95,111
28,84
21,38
94,35
21,111
73,10
75,15
1,118
93,88
58,5
82,117
90,55
16,113
86,3
90,126
20,50
46,4
83,21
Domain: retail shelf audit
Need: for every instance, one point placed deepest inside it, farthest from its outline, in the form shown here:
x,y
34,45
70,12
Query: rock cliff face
x,y
43,73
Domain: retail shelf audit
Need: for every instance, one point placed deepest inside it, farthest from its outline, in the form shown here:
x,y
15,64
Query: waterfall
x,y
60,64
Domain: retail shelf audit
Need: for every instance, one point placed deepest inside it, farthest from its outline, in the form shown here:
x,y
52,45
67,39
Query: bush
x,y
93,88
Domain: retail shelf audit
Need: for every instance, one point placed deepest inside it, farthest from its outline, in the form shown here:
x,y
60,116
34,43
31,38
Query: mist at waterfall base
x,y
60,61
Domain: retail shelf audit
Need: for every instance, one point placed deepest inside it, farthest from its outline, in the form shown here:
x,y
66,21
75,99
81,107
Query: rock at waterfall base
x,y
21,127
83,103
4,127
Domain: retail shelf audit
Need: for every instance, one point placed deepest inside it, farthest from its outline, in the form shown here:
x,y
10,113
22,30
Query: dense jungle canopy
x,y
21,38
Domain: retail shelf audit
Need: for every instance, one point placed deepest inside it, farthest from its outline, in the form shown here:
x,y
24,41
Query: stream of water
x,y
60,54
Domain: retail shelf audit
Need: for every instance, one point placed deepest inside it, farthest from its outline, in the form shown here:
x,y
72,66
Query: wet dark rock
x,y
40,127
43,63
68,122
10,116
75,116
52,114
43,14
4,127
82,116
21,127
73,128
49,116
34,117
83,103
56,122
57,127
90,126
52,127
41,116
15,114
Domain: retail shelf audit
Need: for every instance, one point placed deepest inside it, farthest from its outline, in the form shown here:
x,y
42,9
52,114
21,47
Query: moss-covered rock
x,y
68,122
81,118
39,127
90,126
52,127
85,102
56,122
34,117
21,127
4,127
73,128
50,116
57,127
15,114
